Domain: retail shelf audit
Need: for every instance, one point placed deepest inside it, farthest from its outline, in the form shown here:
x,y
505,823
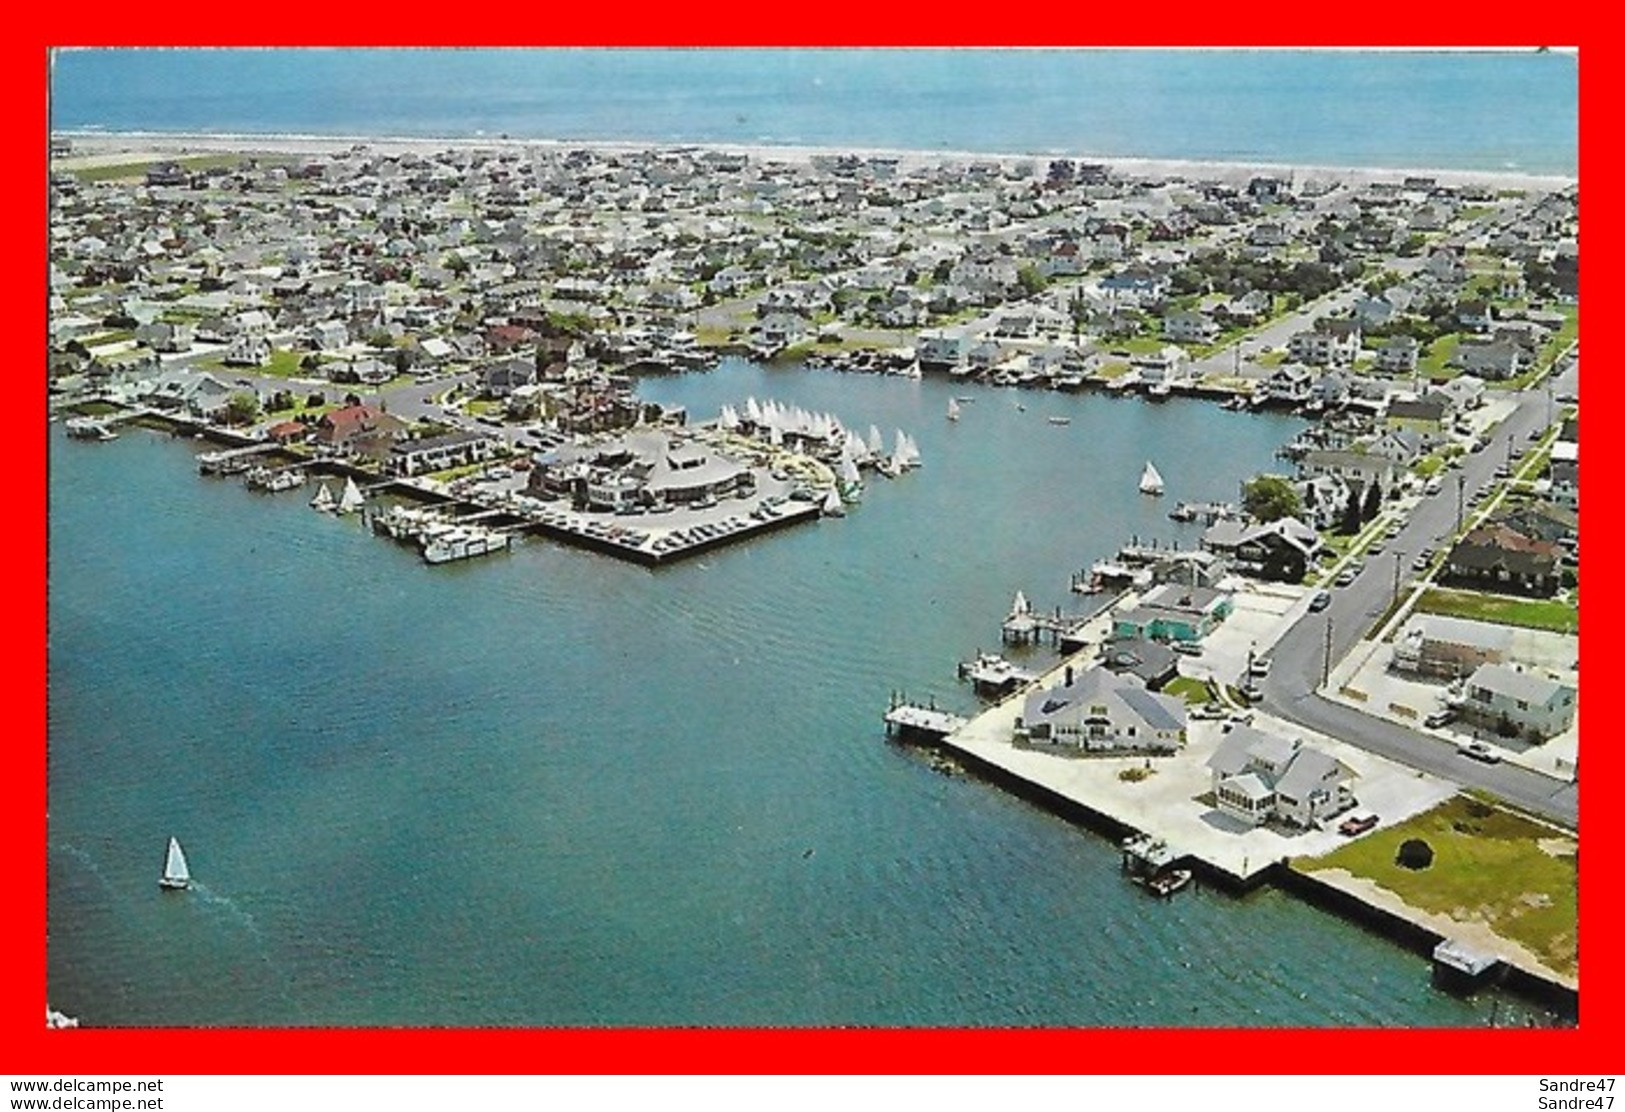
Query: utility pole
x,y
1461,487
1398,556
1326,665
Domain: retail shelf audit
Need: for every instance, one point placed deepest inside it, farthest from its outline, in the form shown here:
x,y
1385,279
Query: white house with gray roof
x,y
1259,778
1499,696
1100,712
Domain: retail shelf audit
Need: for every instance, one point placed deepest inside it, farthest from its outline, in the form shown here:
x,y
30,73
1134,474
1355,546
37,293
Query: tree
x,y
1031,279
1373,502
1349,523
241,408
1414,853
1270,498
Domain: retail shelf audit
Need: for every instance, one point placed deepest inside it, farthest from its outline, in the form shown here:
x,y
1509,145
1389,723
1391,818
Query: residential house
x,y
1375,312
1449,648
1186,326
327,335
1543,521
1259,778
1281,550
1515,702
426,454
1493,360
1475,315
1398,355
1565,473
1403,446
247,350
1174,612
1426,417
778,330
1356,468
367,371
1288,384
1101,712
500,379
1324,498
1134,288
1269,190
1151,662
1332,343
166,337
358,430
1248,308
1465,392
1497,557
939,349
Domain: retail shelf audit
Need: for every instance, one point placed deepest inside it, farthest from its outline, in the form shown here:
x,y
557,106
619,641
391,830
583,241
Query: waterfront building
x,y
1175,612
436,453
1281,550
1101,712
1260,778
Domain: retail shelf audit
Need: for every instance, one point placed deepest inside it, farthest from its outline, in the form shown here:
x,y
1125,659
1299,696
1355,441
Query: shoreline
x,y
99,144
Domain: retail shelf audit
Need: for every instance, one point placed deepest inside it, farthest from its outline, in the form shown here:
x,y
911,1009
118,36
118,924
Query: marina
x,y
561,790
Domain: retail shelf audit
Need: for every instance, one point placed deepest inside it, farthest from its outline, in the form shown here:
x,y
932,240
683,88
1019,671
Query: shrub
x,y
1414,853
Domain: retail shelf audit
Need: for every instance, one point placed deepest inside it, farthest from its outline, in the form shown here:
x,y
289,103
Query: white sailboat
x,y
1150,480
176,875
323,499
877,443
833,506
908,452
953,409
351,500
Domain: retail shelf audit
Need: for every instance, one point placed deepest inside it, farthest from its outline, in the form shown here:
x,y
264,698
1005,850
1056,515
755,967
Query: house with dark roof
x,y
436,453
1102,713
1281,550
1424,416
1260,778
1151,662
1496,557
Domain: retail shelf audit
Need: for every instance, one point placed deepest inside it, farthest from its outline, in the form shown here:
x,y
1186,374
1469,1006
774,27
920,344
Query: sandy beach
x,y
91,149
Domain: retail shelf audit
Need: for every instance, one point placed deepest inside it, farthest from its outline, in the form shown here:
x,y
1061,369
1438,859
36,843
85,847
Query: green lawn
x,y
1435,364
1547,614
1188,688
1491,866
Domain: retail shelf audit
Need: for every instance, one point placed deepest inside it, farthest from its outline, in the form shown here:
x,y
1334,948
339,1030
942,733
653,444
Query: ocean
x,y
1407,109
552,789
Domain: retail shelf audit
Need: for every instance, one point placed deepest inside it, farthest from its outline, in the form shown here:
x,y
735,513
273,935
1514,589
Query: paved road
x,y
1299,657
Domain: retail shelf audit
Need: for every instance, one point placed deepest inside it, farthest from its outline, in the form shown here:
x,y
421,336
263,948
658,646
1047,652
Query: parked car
x,y
1479,751
1344,577
1189,648
1320,601
1260,666
1439,718
1357,824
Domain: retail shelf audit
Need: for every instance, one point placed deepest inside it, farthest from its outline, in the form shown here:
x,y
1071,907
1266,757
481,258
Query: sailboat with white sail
x,y
351,500
323,499
953,409
1150,480
176,875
